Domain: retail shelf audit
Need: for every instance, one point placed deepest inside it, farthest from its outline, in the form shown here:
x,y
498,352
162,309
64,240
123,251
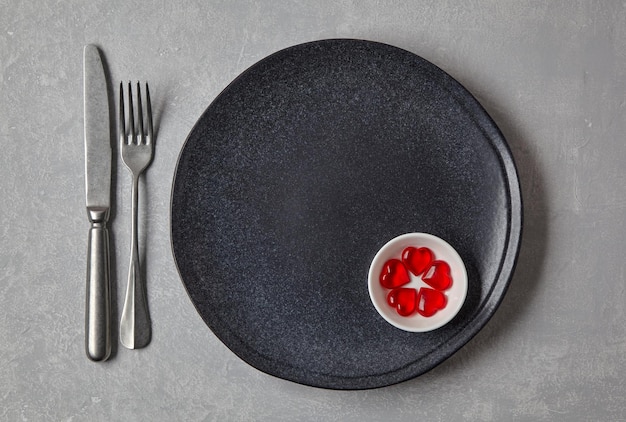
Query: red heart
x,y
429,301
394,274
417,260
438,275
403,299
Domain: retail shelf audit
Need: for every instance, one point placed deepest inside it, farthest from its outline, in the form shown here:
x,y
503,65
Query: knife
x,y
98,190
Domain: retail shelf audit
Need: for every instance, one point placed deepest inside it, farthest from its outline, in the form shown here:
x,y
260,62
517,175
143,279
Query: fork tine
x,y
141,136
131,117
149,115
121,127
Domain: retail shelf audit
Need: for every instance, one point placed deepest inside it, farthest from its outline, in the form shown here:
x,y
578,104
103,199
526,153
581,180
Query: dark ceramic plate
x,y
295,176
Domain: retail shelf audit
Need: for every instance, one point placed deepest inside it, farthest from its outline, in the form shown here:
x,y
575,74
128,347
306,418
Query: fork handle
x,y
98,312
135,330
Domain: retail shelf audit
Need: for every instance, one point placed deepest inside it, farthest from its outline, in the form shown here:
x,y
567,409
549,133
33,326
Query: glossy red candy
x,y
417,260
420,262
429,301
403,299
438,275
394,274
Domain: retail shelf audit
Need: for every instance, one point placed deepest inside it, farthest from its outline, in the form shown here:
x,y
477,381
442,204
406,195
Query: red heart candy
x,y
438,275
394,274
417,260
429,301
403,299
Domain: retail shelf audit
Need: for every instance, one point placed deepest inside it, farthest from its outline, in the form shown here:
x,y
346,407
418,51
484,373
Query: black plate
x,y
295,176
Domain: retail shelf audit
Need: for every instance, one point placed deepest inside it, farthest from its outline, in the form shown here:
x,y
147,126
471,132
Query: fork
x,y
137,150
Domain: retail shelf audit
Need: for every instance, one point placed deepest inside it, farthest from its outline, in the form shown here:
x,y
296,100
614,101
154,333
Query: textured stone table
x,y
553,77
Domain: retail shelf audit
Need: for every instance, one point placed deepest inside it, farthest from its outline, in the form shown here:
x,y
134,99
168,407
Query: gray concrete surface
x,y
552,75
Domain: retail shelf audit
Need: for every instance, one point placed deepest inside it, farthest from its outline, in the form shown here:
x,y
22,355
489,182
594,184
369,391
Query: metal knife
x,y
98,190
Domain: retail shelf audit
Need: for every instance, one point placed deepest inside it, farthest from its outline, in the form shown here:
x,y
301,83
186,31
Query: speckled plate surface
x,y
296,175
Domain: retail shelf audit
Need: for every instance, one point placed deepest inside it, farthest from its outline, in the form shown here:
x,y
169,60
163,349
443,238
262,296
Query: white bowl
x,y
455,294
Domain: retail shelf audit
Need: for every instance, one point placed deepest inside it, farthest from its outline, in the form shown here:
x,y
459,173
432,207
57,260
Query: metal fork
x,y
137,150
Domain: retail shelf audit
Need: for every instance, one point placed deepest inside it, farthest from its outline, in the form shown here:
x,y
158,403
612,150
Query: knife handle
x,y
98,313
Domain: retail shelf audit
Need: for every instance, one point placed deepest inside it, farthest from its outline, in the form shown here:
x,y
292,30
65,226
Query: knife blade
x,y
98,193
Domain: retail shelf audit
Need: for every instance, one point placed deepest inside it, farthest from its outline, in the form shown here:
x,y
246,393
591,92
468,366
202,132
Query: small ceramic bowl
x,y
455,294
